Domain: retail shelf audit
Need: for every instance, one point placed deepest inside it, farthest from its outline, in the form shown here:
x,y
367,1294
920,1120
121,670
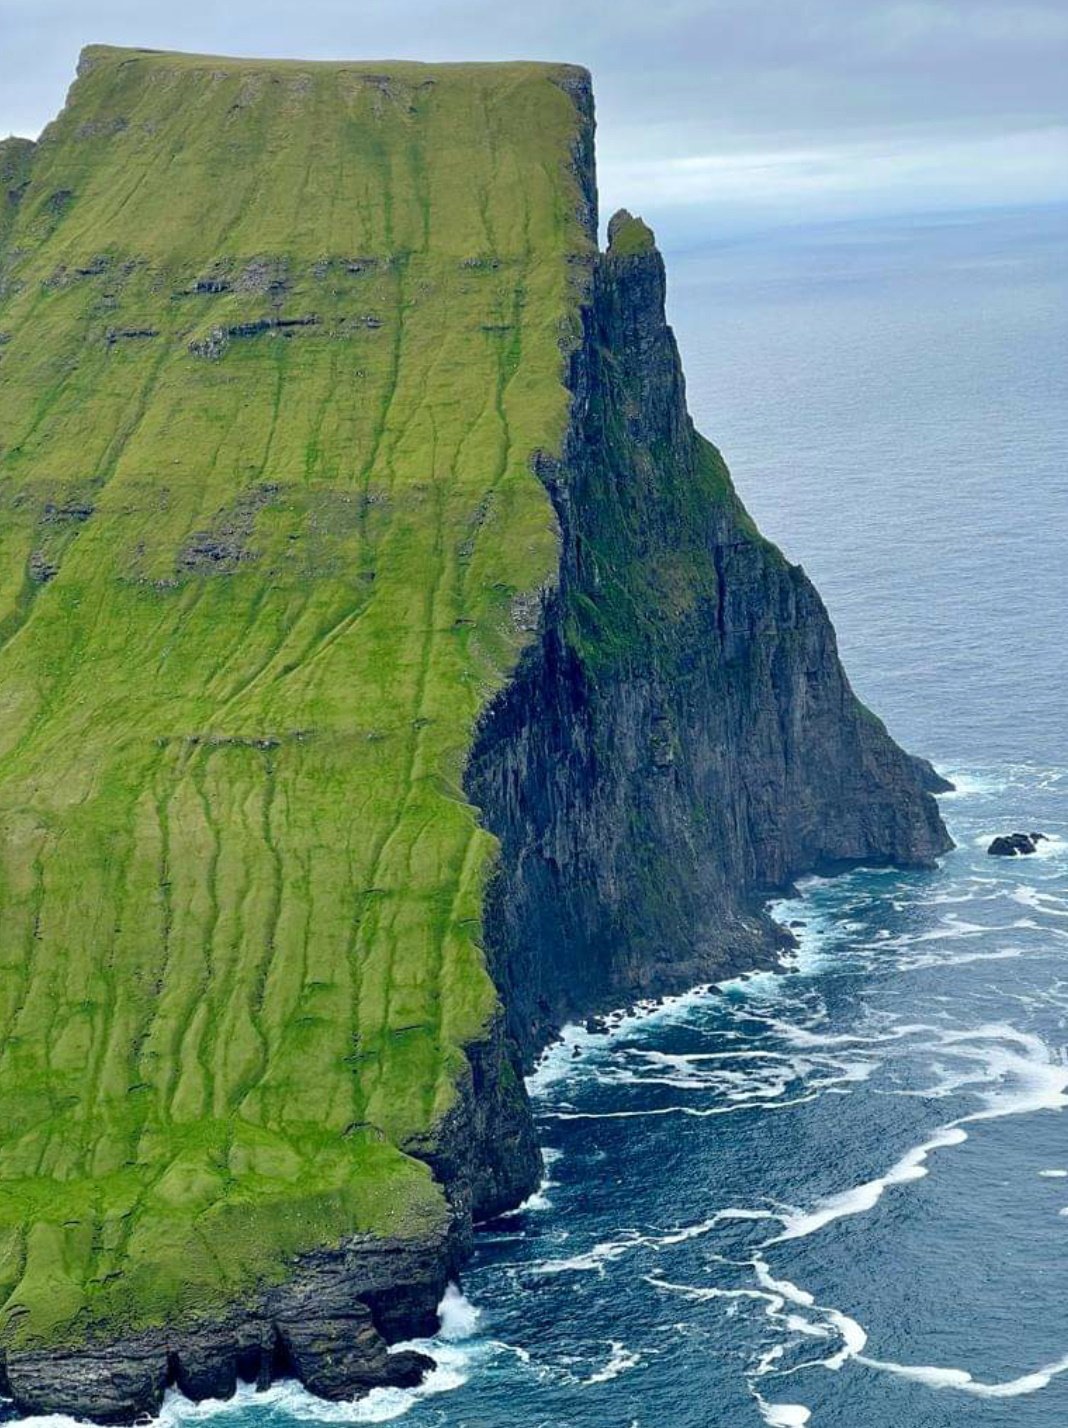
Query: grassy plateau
x,y
278,342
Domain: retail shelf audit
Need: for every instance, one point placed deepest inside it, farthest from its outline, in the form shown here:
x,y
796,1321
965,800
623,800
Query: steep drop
x,y
682,741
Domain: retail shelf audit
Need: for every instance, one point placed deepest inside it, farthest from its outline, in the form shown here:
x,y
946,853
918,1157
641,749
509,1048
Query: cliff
x,y
682,741
372,620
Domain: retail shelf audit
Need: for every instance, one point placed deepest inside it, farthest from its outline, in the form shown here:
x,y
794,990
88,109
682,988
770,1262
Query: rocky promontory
x,y
390,672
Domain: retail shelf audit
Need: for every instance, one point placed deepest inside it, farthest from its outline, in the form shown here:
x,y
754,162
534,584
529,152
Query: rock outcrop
x,y
330,1323
324,1326
1010,845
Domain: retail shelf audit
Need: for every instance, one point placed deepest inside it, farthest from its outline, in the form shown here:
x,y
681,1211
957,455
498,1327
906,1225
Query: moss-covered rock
x,y
628,237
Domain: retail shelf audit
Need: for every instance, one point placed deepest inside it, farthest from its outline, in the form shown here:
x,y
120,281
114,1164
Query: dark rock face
x,y
486,1151
340,1356
682,740
329,1325
1008,845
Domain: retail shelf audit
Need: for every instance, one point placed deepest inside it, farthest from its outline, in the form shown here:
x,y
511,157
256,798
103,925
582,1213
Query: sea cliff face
x,y
658,731
682,742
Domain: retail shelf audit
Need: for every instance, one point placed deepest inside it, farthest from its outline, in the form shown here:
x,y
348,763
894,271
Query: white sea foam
x,y
783,1415
1049,904
963,1381
1053,1174
558,1061
619,1361
786,1303
1028,1078
760,986
949,1084
44,1420
805,1036
968,783
853,1336
690,1232
594,1259
782,1287
860,1198
607,1251
693,1058
459,1317
453,1362
739,1080
951,927
700,1293
290,1400
540,1199
698,1112
964,959
571,1053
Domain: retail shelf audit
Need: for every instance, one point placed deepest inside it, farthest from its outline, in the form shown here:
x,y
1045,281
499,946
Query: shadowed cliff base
x,y
340,475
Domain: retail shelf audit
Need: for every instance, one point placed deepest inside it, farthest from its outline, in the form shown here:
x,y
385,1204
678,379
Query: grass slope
x,y
278,343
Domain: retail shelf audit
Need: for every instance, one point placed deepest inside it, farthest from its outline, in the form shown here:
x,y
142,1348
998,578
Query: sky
x,y
714,116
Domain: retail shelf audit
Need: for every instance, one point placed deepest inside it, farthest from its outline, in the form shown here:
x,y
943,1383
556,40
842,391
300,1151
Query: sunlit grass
x,y
255,588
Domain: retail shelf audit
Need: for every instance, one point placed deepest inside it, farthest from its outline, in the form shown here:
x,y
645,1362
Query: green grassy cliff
x,y
278,343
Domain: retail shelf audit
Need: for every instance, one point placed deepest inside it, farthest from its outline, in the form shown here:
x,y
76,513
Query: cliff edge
x,y
682,741
388,671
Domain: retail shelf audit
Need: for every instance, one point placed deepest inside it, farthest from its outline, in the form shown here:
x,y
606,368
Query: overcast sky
x,y
714,115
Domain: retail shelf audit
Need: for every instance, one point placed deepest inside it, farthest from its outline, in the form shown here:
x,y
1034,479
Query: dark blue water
x,y
838,1196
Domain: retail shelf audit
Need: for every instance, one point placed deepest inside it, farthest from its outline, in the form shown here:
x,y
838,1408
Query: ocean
x,y
835,1196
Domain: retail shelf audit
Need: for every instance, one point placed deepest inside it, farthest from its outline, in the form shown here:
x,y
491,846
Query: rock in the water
x,y
335,1357
408,1368
1008,845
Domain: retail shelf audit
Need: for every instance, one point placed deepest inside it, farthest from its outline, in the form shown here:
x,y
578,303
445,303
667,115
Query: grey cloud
x,y
675,80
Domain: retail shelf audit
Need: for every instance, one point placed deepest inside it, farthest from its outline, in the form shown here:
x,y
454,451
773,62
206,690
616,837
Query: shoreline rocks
x,y
1012,845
